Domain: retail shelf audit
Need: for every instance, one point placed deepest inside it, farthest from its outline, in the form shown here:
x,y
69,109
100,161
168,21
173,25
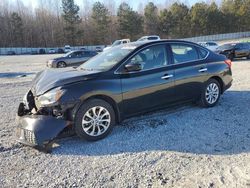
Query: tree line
x,y
60,22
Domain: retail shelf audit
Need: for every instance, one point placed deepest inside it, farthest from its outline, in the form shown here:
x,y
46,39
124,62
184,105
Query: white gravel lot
x,y
187,147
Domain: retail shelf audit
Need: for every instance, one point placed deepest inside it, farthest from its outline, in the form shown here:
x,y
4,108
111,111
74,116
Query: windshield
x,y
67,54
226,47
142,39
107,59
117,42
152,38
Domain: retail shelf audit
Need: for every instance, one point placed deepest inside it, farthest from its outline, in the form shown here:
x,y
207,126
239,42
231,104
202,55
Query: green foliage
x,y
198,15
16,28
181,20
101,22
72,19
56,27
151,19
129,22
165,23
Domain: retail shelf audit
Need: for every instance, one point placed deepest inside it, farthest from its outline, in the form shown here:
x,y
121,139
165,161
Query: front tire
x,y
94,120
211,93
61,64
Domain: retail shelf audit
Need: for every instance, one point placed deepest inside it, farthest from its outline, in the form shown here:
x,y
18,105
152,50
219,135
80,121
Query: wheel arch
x,y
105,98
61,61
218,79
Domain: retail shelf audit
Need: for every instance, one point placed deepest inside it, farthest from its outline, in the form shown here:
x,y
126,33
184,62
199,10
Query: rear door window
x,y
184,53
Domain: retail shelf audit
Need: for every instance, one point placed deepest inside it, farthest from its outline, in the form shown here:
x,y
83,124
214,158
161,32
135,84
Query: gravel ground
x,y
186,147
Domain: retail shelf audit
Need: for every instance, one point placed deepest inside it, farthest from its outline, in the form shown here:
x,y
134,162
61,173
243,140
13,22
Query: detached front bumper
x,y
38,130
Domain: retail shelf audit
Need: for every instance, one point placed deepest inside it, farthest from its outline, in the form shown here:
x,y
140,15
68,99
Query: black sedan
x,y
72,58
119,83
235,50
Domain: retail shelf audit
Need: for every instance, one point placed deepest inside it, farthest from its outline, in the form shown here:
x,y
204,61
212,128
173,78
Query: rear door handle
x,y
167,76
203,70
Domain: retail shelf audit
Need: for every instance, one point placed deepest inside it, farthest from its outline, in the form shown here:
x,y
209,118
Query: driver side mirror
x,y
133,67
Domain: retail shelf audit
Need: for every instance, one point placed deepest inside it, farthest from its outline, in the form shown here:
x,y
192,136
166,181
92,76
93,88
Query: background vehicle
x,y
11,53
60,51
117,42
151,37
234,50
209,45
98,49
67,48
34,52
52,51
72,58
120,83
42,51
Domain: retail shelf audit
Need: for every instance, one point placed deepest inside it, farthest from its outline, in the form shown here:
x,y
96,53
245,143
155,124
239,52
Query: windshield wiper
x,y
91,69
87,69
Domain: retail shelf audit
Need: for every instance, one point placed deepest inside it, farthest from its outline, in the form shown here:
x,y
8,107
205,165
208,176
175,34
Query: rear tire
x,y
61,64
210,94
94,120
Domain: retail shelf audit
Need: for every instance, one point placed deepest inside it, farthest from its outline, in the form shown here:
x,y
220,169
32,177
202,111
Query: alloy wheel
x,y
212,93
96,121
61,65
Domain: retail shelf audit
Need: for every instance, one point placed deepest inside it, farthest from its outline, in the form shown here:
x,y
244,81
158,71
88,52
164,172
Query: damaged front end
x,y
40,122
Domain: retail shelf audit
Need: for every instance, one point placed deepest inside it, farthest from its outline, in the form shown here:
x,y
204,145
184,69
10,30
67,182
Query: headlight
x,y
50,62
51,97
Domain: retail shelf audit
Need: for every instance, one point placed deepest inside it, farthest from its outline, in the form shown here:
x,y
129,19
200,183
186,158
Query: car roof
x,y
145,43
83,51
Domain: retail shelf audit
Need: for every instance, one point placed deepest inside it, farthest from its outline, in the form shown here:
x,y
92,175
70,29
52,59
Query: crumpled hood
x,y
52,78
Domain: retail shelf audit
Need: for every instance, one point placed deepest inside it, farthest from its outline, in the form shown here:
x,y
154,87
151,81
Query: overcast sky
x,y
133,3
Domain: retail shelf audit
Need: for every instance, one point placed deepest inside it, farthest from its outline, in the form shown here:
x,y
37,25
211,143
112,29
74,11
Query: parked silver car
x,y
72,58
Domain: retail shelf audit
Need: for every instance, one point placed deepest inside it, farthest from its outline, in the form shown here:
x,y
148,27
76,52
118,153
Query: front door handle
x,y
203,70
167,76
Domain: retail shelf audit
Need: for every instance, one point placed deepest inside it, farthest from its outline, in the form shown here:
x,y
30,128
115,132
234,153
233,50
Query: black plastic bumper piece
x,y
38,130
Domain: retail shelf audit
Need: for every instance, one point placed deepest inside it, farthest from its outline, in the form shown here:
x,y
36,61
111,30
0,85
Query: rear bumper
x,y
226,87
37,130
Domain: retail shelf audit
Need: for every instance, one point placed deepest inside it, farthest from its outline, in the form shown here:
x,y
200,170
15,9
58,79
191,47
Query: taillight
x,y
228,62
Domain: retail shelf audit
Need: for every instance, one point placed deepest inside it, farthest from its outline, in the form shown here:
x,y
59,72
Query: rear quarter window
x,y
184,53
203,53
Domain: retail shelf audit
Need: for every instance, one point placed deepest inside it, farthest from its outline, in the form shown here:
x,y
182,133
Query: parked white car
x,y
52,51
67,48
151,37
209,45
117,42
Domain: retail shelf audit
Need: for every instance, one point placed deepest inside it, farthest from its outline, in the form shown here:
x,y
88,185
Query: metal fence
x,y
41,50
218,37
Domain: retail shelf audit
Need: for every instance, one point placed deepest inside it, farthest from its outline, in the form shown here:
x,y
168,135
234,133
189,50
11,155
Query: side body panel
x,y
146,90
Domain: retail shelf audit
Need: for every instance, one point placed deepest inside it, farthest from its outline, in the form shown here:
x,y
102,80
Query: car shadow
x,y
221,130
15,74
